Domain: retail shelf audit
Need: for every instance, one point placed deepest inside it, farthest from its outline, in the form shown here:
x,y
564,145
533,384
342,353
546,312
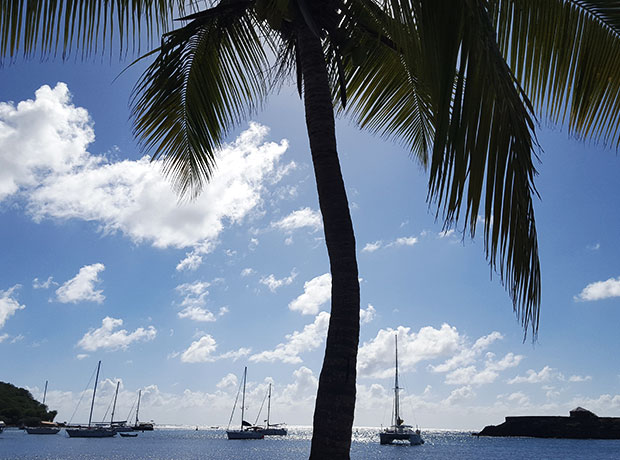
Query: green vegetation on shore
x,y
18,407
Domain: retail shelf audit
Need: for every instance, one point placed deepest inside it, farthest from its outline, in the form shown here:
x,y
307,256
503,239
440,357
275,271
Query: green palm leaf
x,y
566,54
81,26
208,76
436,80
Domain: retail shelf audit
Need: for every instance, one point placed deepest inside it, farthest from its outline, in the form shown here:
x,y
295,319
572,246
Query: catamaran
x,y
246,430
92,431
399,431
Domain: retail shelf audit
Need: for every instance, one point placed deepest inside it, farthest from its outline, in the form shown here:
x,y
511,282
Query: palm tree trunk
x,y
335,401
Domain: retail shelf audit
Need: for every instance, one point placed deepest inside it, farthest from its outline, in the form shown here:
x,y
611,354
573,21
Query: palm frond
x,y
82,27
566,54
208,76
436,79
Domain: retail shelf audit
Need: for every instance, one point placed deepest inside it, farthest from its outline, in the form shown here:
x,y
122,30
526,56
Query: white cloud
x,y
200,351
376,357
107,338
36,284
372,247
81,356
296,343
301,218
317,292
247,271
446,233
203,351
194,301
459,395
8,304
274,283
580,378
39,138
228,381
470,375
367,315
3,337
43,155
402,241
600,290
544,375
468,354
81,287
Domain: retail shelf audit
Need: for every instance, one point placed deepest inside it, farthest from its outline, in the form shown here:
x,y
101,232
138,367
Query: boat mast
x,y
92,403
114,405
138,407
45,392
245,373
396,402
268,405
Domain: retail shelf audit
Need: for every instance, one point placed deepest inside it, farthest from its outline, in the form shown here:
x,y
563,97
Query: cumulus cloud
x,y
368,314
470,375
39,138
317,292
544,375
459,395
43,156
302,218
81,288
376,357
372,247
274,283
311,337
9,304
108,338
203,351
468,354
600,290
247,272
194,301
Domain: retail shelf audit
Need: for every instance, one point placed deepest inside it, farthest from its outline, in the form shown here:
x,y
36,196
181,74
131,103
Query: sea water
x,y
185,444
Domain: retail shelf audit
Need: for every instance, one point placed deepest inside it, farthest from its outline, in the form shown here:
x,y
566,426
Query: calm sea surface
x,y
183,444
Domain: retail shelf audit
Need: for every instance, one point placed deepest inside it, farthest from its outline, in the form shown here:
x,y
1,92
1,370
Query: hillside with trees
x,y
18,407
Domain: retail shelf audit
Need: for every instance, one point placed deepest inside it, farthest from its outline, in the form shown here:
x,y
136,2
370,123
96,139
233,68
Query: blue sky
x,y
100,261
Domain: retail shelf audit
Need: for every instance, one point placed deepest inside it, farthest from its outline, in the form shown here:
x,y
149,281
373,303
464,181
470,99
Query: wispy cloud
x,y
531,376
402,241
274,283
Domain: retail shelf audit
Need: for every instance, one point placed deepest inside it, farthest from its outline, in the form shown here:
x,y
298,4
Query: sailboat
x,y
399,431
274,429
141,426
243,432
44,427
92,431
120,426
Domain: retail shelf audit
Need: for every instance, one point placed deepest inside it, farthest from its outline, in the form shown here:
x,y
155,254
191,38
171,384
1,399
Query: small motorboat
x,y
129,435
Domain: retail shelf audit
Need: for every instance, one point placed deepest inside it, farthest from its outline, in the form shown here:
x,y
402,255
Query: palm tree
x,y
457,82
